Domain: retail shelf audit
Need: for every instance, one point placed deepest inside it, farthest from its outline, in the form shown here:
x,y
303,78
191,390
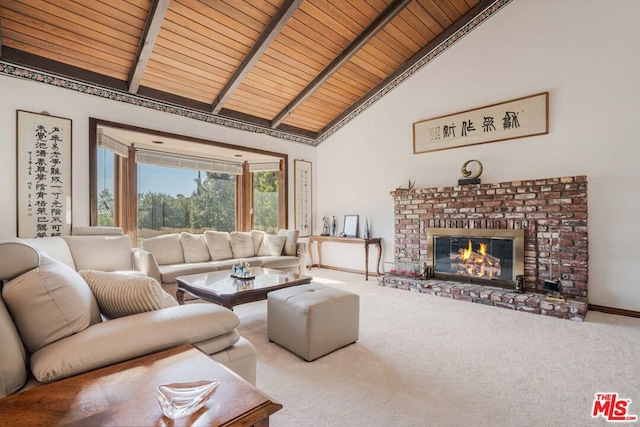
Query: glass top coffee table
x,y
220,288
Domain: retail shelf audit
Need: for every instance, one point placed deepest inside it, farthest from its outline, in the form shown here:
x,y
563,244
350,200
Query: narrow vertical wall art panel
x,y
302,197
44,175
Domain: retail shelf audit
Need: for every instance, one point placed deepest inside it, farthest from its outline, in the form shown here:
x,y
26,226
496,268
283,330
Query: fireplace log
x,y
474,257
476,265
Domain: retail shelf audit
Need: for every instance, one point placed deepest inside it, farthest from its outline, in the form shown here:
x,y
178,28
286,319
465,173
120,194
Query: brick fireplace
x,y
552,214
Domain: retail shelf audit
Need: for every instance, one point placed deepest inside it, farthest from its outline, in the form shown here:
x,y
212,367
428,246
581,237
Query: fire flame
x,y
483,248
467,252
475,265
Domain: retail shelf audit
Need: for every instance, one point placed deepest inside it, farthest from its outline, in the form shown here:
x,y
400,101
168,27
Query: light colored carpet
x,y
423,360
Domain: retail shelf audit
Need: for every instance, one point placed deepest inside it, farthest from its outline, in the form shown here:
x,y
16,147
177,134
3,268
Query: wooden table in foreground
x,y
220,288
352,240
124,395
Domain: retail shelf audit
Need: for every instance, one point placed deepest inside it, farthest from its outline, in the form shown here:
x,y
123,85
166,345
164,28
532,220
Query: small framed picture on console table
x,y
350,226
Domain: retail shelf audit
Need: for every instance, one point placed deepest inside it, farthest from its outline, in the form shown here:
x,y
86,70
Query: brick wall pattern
x,y
541,206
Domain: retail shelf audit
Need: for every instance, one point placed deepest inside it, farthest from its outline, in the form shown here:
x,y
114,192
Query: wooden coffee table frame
x,y
215,286
124,394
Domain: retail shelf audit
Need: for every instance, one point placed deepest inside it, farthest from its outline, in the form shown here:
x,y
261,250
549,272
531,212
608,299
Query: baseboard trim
x,y
613,310
346,270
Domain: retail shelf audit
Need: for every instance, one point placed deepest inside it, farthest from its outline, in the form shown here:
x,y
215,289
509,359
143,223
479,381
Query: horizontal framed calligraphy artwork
x,y
302,197
518,118
43,175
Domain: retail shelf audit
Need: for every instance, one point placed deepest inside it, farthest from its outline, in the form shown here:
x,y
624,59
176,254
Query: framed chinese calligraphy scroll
x,y
44,175
302,196
517,118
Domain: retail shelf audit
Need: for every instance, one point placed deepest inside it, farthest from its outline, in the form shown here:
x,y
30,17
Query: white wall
x,y
585,54
16,94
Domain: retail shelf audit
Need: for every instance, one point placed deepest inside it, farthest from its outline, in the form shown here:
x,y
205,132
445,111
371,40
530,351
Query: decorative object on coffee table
x,y
178,400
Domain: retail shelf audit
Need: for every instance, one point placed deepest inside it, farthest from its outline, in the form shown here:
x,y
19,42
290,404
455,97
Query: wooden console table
x,y
353,240
124,394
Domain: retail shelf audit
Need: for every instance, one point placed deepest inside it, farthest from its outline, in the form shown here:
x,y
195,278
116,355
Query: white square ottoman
x,y
312,320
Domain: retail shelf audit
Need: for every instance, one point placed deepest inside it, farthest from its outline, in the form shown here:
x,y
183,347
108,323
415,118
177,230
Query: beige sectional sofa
x,y
57,322
180,254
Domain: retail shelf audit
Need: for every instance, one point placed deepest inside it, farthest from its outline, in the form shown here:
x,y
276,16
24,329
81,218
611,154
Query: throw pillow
x,y
219,245
241,244
291,245
50,303
257,236
105,253
167,249
272,245
122,294
194,247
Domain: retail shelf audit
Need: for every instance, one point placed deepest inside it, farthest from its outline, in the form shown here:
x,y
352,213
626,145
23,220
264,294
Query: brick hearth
x,y
503,298
540,206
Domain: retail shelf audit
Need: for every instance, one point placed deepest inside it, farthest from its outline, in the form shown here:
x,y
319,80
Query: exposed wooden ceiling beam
x,y
0,38
50,66
279,20
464,20
378,24
147,41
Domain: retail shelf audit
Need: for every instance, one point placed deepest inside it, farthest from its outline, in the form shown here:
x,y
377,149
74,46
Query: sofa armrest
x,y
125,338
301,253
145,262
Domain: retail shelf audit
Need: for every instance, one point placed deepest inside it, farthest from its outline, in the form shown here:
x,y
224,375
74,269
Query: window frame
x,y
125,177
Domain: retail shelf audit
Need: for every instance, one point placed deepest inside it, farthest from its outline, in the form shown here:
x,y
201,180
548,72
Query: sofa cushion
x,y
290,246
49,303
170,272
219,245
54,247
257,236
166,249
128,337
105,253
13,359
281,262
194,247
121,294
95,230
271,245
241,244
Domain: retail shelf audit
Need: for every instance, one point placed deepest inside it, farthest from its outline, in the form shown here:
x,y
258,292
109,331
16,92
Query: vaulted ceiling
x,y
299,67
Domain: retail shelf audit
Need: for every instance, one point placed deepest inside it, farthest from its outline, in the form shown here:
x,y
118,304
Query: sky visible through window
x,y
171,181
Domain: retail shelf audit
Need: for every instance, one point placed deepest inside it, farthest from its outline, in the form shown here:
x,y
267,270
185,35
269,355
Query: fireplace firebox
x,y
488,256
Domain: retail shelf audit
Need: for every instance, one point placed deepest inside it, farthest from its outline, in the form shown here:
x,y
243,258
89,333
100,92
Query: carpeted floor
x,y
423,360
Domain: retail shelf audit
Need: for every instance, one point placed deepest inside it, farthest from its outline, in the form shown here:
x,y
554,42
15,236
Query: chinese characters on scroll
x,y
44,175
518,118
302,188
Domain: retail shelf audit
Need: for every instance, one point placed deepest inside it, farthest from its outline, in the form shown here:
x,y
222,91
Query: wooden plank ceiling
x,y
294,65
